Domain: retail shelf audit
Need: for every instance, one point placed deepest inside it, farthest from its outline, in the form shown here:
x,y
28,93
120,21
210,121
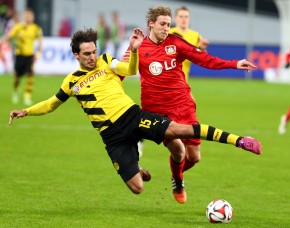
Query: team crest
x,y
116,165
76,89
170,50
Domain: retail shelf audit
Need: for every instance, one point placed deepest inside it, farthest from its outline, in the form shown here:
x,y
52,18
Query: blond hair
x,y
157,11
181,8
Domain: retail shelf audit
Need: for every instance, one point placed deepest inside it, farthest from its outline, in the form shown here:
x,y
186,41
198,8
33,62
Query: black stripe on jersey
x,y
86,97
71,84
224,137
105,58
61,95
210,133
79,73
99,124
94,111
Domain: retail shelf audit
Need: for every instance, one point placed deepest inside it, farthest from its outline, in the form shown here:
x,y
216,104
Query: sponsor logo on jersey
x,y
155,68
170,50
92,78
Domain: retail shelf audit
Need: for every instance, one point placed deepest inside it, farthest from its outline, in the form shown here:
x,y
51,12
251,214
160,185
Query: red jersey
x,y
288,57
163,84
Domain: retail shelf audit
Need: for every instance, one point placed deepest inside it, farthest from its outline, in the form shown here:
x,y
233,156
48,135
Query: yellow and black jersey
x,y
99,91
24,36
191,37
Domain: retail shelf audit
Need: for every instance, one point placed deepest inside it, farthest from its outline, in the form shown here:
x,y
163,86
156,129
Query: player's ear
x,y
76,55
150,24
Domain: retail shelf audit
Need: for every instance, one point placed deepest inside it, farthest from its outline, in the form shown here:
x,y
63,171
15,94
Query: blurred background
x,y
254,29
54,169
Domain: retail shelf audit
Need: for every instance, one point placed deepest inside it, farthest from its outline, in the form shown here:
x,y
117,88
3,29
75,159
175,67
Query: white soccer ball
x,y
219,211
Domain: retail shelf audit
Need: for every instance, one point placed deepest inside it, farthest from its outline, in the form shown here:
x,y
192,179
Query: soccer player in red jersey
x,y
164,89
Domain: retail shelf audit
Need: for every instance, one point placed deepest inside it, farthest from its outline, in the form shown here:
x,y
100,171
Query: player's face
x,y
182,19
160,28
28,16
87,56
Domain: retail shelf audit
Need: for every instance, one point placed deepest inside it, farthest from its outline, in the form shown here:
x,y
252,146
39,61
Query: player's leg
x,y
140,147
18,72
135,184
29,81
125,160
283,122
192,156
176,161
210,133
153,126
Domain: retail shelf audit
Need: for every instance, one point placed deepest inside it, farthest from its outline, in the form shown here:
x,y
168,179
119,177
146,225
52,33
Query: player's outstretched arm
x,y
245,65
129,68
38,109
17,114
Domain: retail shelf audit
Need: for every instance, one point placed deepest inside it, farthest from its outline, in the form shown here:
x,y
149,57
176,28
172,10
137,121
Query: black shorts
x,y
121,138
23,65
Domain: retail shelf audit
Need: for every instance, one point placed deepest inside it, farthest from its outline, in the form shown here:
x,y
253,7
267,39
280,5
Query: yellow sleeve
x,y
124,68
44,107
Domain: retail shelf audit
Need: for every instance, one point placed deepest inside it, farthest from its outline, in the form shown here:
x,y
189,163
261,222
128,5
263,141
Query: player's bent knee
x,y
195,158
137,188
135,184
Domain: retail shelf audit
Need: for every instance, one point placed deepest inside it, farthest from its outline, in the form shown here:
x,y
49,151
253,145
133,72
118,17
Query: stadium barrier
x,y
57,59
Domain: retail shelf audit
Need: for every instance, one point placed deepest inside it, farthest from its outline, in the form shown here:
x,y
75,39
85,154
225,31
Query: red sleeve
x,y
288,58
202,58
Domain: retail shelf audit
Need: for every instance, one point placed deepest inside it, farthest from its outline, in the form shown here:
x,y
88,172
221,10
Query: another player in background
x,y
103,34
24,35
182,19
164,89
117,32
285,117
121,123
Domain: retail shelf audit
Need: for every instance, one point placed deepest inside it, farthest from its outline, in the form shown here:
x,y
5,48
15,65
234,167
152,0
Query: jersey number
x,y
145,123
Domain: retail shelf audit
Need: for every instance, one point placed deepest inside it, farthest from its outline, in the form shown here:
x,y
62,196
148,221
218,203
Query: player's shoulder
x,y
35,26
174,38
177,40
193,32
173,29
105,58
18,25
75,75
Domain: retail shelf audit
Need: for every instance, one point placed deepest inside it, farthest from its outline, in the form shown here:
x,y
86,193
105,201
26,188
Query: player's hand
x,y
245,65
126,56
17,114
136,39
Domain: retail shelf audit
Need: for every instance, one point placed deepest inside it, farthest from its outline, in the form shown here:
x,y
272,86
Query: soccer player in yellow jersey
x,y
24,35
182,18
121,123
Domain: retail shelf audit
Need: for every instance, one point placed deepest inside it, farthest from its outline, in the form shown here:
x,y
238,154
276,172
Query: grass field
x,y
54,170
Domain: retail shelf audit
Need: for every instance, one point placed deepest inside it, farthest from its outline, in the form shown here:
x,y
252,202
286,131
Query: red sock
x,y
288,115
187,164
176,168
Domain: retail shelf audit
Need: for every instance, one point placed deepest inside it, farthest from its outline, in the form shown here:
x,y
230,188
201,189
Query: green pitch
x,y
54,170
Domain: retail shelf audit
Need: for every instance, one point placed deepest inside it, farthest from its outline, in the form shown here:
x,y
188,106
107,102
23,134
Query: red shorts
x,y
185,114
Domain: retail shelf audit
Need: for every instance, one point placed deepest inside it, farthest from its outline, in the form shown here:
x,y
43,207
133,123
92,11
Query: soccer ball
x,y
219,211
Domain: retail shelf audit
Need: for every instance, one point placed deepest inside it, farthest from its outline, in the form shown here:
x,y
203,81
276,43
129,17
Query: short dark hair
x,y
83,36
